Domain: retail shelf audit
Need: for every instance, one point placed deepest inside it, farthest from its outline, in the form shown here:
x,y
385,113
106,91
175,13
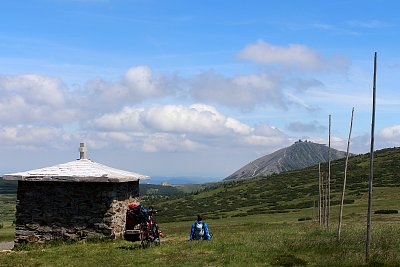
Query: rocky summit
x,y
300,155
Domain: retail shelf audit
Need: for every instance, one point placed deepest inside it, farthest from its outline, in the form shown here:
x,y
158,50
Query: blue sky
x,y
191,88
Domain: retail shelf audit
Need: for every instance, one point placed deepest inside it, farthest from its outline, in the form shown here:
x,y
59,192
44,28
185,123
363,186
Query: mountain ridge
x,y
297,156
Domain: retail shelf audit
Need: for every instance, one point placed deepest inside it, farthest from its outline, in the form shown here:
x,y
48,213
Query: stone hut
x,y
76,200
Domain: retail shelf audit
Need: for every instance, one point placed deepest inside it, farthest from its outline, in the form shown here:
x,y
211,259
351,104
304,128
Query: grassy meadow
x,y
7,215
258,240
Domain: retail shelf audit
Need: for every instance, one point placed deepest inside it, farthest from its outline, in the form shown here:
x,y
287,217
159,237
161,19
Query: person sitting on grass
x,y
199,230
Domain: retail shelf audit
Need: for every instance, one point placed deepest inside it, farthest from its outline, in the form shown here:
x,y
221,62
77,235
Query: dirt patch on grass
x,y
6,245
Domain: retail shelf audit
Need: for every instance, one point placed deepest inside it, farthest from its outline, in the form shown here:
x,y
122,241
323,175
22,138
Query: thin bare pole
x,y
345,176
320,196
371,166
326,200
323,198
313,211
329,177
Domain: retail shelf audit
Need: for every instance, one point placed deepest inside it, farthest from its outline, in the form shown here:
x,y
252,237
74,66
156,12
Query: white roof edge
x,y
11,177
82,170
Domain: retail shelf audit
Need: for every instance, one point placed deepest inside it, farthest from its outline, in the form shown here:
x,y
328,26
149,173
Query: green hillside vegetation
x,y
8,187
285,192
153,189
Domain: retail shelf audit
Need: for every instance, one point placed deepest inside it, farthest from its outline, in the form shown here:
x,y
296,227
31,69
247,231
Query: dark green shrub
x,y
386,211
302,219
240,215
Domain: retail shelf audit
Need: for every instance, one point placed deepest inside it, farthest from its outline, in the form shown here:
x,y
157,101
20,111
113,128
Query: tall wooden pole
x,y
326,199
313,211
323,182
345,176
329,177
371,166
320,196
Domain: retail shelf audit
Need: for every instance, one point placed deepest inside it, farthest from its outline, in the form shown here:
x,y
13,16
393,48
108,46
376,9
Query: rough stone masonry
x,y
72,210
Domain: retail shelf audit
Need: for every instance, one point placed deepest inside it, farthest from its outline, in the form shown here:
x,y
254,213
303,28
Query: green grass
x,y
7,233
261,240
7,216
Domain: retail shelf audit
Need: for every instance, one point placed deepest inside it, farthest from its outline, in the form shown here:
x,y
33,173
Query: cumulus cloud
x,y
168,142
38,89
127,119
197,118
264,134
139,79
294,55
137,84
390,134
244,91
181,127
31,98
29,135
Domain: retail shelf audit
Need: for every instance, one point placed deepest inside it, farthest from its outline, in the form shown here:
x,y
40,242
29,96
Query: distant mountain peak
x,y
300,155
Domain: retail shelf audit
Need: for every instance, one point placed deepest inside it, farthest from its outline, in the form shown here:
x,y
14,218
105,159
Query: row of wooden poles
x,y
324,184
324,179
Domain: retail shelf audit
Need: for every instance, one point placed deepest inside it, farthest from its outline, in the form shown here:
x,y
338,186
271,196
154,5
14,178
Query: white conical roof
x,y
81,170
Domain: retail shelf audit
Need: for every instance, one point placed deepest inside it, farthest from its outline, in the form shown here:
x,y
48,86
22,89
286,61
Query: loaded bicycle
x,y
140,226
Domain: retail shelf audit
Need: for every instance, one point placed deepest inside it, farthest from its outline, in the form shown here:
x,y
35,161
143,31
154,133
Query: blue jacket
x,y
206,232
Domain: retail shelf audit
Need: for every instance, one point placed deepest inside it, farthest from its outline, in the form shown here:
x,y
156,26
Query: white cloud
x,y
137,84
179,127
267,130
243,92
197,118
169,142
29,135
127,119
139,79
32,98
116,136
391,134
294,55
37,89
237,126
266,135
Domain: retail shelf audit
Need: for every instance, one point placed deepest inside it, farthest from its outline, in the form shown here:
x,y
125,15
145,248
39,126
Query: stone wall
x,y
72,210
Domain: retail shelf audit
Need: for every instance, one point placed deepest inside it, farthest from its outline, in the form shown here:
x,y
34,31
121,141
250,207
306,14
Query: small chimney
x,y
82,151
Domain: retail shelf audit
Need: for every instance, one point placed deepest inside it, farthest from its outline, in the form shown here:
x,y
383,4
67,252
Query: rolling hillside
x,y
284,192
297,156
